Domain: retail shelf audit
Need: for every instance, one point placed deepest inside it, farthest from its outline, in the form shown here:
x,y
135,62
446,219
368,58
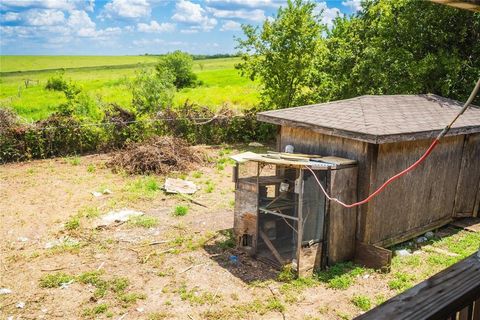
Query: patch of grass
x,y
401,281
91,168
210,186
141,188
287,274
227,240
362,302
96,310
180,211
73,223
197,297
143,221
54,280
341,276
197,174
159,315
89,212
74,161
130,298
119,284
273,304
94,278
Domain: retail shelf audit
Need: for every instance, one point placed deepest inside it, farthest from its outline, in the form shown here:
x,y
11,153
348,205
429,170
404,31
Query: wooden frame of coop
x,y
281,215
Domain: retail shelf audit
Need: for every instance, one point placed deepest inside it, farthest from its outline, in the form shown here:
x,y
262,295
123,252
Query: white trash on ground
x,y
120,216
180,186
255,144
20,305
98,194
5,291
402,253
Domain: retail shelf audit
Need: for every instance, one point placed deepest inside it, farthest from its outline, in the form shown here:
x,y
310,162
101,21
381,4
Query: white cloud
x,y
192,13
244,3
90,6
355,5
80,19
189,31
10,16
66,5
44,17
230,25
149,42
132,9
154,26
328,14
253,15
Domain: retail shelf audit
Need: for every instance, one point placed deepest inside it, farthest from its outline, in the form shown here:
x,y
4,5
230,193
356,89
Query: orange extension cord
x,y
410,168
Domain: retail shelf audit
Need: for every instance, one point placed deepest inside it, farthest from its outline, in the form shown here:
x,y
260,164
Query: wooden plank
x,y
468,178
435,298
372,256
469,224
271,247
245,218
476,309
342,221
404,236
463,314
309,259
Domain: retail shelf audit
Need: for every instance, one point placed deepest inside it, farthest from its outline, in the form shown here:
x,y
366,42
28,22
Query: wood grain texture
x,y
420,198
372,256
469,177
438,297
342,221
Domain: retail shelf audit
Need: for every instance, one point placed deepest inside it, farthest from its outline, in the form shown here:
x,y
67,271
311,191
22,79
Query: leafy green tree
x,y
152,91
179,64
282,54
401,47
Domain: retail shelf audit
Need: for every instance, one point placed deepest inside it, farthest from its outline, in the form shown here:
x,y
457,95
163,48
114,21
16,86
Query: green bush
x,y
152,92
179,64
57,82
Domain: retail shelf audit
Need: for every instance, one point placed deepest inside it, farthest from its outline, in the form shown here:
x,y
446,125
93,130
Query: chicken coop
x,y
383,135
281,215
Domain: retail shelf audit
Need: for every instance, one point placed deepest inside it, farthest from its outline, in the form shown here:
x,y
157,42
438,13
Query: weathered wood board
x,y
342,221
372,256
469,177
469,224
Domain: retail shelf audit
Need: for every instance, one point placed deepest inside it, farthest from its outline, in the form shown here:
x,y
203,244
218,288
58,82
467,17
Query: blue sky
x,y
128,27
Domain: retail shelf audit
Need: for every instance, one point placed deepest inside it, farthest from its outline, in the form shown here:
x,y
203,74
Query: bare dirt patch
x,y
164,265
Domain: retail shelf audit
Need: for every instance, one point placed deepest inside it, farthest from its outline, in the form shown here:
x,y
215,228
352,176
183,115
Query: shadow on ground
x,y
222,251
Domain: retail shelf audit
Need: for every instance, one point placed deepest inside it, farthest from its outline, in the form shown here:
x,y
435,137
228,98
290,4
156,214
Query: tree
x,y
179,64
282,54
152,92
401,47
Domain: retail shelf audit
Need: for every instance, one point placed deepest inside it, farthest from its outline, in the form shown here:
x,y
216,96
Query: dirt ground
x,y
172,267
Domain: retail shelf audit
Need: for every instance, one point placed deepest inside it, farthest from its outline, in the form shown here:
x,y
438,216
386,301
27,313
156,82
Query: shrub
x,y
152,92
57,82
179,64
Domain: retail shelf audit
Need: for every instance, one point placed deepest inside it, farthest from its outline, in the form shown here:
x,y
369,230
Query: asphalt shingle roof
x,y
380,119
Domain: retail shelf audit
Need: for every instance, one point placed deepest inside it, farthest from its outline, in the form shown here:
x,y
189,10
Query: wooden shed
x,y
385,134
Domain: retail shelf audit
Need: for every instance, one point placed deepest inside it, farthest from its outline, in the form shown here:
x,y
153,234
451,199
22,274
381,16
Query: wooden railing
x,y
451,294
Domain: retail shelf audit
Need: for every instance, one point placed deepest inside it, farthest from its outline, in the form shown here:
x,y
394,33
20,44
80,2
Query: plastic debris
x,y
255,144
429,235
23,239
120,216
107,191
140,309
5,291
233,259
20,305
421,239
402,253
180,186
96,194
65,285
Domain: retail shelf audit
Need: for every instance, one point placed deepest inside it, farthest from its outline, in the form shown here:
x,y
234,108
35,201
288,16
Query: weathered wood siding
x,y
342,222
421,198
469,179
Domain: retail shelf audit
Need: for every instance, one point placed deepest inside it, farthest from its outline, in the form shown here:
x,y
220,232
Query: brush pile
x,y
157,155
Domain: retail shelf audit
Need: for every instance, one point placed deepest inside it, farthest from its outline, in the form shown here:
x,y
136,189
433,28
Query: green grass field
x,y
106,79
